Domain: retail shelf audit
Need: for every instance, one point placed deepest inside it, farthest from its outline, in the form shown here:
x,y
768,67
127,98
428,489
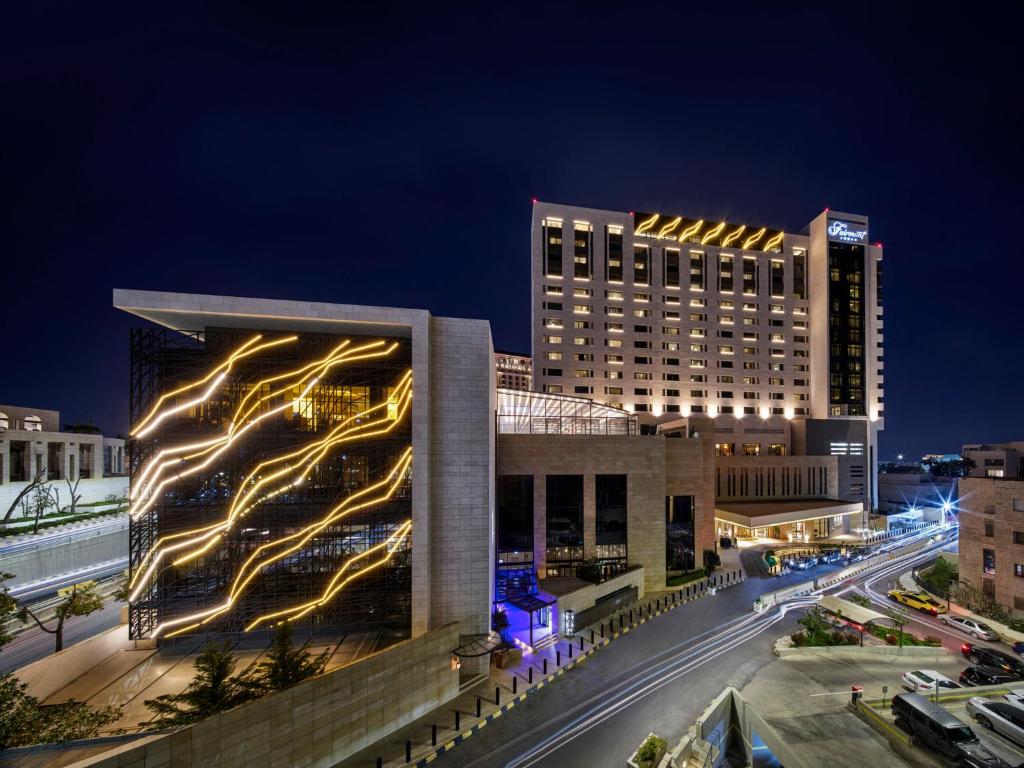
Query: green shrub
x,y
650,751
685,578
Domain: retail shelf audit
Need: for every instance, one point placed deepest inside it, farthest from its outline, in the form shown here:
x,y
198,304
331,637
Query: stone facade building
x,y
992,539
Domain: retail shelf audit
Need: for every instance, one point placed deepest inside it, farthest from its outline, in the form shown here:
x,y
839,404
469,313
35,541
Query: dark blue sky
x,y
383,155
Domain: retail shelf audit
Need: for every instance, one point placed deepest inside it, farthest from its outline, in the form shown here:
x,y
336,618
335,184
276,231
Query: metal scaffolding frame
x,y
163,360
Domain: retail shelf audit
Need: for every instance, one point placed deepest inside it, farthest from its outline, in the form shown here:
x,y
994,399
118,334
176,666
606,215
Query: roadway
x,y
34,644
657,678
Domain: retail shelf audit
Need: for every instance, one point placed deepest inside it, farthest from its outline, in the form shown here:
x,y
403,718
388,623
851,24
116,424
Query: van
x,y
931,726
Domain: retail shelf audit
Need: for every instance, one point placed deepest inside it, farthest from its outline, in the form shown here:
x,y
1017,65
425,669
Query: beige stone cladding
x,y
462,385
656,466
319,722
999,503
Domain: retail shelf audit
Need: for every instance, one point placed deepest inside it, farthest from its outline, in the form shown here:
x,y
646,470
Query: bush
x,y
685,578
859,600
891,639
650,751
589,570
933,641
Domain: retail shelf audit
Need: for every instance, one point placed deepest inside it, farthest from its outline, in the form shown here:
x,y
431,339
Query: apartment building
x,y
776,335
995,459
992,538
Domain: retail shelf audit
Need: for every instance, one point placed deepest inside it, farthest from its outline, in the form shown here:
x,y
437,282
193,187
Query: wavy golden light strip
x,y
690,231
335,357
752,240
391,545
712,233
358,432
218,374
667,229
395,477
316,450
646,225
774,241
732,236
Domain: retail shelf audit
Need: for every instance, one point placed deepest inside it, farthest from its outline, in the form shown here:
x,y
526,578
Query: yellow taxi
x,y
918,600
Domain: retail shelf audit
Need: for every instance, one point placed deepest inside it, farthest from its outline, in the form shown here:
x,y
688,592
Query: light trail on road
x,y
679,664
674,663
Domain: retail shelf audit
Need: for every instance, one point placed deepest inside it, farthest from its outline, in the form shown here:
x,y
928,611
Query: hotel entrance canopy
x,y
768,514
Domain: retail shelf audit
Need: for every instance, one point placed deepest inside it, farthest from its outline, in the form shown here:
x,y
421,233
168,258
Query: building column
x,y
589,517
540,525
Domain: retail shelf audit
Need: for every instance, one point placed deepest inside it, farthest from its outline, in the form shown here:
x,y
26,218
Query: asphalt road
x,y
657,678
34,644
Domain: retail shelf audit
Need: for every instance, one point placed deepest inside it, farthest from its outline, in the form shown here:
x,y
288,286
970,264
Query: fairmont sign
x,y
840,230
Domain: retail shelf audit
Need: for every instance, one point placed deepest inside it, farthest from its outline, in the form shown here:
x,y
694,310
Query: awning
x,y
766,514
858,614
478,645
529,603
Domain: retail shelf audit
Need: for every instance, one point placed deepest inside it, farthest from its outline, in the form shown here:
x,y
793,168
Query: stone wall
x,y
1001,503
462,407
655,467
319,722
64,554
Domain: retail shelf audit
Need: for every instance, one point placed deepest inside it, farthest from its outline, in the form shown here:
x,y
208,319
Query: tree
x,y
75,495
8,608
899,621
817,624
711,561
34,483
23,721
81,601
42,499
287,665
215,688
123,588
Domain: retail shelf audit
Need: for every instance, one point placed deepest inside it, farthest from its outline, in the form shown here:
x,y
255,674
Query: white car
x,y
1015,698
1003,718
972,627
925,680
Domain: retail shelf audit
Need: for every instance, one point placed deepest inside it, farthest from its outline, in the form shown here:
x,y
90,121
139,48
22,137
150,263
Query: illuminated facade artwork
x,y
271,476
721,234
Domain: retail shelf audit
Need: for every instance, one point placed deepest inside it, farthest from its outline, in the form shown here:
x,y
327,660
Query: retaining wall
x,y
65,554
319,722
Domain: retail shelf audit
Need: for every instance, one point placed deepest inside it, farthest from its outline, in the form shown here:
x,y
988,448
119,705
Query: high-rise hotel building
x,y
777,335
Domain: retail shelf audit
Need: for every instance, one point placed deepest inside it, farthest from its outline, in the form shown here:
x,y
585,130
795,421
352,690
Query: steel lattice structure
x,y
165,590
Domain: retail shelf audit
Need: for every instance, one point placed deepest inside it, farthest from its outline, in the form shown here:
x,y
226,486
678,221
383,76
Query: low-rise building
x,y
914,496
33,448
992,539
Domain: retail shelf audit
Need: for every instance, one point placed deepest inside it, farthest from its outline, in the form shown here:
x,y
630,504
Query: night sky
x,y
382,155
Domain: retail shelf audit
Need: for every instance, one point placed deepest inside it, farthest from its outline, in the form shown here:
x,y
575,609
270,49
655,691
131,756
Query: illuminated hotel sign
x,y
841,231
509,364
720,234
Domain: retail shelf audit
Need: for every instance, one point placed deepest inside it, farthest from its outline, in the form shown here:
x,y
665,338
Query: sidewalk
x,y
504,689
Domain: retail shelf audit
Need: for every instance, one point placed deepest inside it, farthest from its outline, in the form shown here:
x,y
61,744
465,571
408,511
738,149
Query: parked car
x,y
831,556
805,563
938,730
1018,648
918,600
972,627
981,675
990,657
1005,719
1015,698
926,680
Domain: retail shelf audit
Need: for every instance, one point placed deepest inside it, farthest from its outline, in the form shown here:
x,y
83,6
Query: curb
x,y
598,644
